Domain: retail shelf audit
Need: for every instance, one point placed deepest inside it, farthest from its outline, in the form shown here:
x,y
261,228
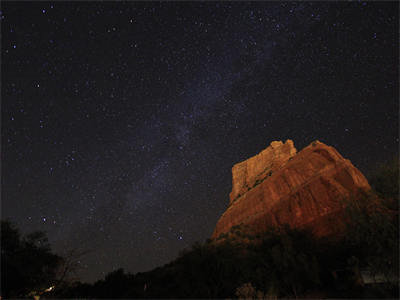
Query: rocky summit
x,y
303,190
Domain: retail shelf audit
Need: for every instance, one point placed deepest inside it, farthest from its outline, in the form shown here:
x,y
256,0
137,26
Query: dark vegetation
x,y
27,263
285,263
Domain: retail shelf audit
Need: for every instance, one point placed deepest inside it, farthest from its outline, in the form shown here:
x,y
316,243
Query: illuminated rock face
x,y
282,187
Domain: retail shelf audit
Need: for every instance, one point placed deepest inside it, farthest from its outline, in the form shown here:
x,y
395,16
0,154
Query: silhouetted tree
x,y
385,183
373,231
27,263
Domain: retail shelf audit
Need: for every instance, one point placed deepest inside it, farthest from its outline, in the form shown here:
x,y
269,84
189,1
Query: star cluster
x,y
121,120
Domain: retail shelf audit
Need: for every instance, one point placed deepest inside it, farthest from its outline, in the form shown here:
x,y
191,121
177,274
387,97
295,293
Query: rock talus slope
x,y
279,187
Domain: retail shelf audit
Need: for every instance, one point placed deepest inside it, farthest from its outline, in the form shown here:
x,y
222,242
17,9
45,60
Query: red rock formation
x,y
303,190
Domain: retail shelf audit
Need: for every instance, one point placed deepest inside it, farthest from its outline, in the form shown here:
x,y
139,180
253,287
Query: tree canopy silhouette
x,y
27,262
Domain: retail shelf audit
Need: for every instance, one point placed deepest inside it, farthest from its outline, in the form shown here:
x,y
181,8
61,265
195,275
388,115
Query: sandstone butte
x,y
302,190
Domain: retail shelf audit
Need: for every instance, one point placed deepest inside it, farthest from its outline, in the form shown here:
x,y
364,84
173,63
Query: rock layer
x,y
282,187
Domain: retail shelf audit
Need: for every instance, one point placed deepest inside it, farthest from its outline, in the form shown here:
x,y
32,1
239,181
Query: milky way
x,y
121,121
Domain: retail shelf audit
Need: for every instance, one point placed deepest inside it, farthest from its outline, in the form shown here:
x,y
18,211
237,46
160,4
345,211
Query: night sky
x,y
121,121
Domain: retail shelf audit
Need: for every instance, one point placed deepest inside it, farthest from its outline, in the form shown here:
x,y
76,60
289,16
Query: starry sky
x,y
120,122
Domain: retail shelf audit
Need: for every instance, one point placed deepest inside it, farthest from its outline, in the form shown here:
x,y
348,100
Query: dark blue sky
x,y
121,121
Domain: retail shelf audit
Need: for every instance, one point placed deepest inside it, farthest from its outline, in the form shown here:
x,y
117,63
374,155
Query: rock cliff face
x,y
279,186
